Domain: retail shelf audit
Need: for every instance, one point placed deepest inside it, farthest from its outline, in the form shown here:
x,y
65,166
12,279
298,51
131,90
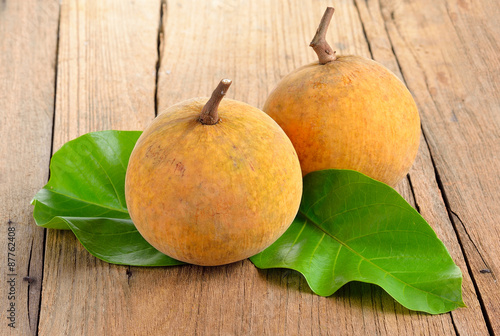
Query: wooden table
x,y
81,66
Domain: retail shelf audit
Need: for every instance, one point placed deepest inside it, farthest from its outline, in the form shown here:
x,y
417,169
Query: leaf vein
x,y
373,264
85,201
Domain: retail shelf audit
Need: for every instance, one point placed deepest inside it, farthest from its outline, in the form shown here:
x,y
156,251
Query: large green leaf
x,y
86,194
353,228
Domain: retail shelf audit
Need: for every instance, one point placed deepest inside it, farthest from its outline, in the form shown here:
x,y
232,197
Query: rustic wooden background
x,y
71,67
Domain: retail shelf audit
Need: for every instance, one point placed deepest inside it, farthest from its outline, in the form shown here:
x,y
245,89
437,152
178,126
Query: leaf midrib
x,y
368,260
88,202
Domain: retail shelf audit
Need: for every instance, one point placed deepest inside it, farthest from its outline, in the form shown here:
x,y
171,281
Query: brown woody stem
x,y
321,47
209,115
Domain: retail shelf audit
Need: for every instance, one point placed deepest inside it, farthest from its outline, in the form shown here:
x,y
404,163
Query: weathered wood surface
x,y
447,53
28,51
107,78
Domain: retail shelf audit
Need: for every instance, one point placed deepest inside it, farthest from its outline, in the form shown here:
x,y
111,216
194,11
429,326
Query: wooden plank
x,y
429,200
107,67
106,80
28,44
448,55
203,42
255,44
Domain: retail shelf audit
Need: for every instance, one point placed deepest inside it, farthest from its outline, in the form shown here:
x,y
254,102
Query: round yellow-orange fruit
x,y
213,194
350,113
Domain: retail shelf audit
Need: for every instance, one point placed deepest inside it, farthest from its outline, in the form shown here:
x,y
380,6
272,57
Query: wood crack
x,y
44,243
36,323
388,35
56,66
128,272
452,215
394,29
364,30
417,206
159,45
29,280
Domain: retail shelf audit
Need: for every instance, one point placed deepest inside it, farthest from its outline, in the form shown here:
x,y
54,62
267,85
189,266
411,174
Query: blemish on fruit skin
x,y
156,153
346,80
319,85
180,167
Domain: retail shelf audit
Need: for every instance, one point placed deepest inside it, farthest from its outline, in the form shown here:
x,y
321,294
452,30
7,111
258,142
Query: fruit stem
x,y
321,47
209,114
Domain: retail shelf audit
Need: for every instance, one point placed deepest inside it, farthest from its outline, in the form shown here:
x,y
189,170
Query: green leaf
x,y
353,228
117,241
86,194
87,179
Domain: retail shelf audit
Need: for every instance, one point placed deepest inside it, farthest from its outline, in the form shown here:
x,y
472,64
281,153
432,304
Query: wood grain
x,y
28,44
106,67
256,51
452,69
429,200
106,80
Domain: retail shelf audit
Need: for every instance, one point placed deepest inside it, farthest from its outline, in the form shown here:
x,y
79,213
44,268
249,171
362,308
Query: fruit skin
x,y
213,194
350,113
